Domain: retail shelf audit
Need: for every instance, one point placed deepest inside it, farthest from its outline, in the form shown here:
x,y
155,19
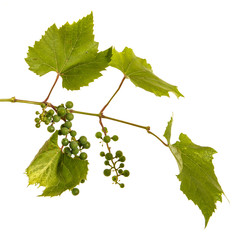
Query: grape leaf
x,y
140,73
71,52
54,170
198,180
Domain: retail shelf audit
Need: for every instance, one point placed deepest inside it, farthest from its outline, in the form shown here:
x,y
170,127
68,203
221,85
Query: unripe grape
x,y
61,111
106,163
126,173
82,180
50,128
67,151
37,113
83,156
87,145
120,171
122,185
109,156
107,172
38,125
119,154
56,118
98,135
83,140
105,129
102,154
37,120
68,124
121,165
70,116
75,191
65,141
69,104
106,139
50,112
115,138
73,145
64,130
115,178
75,151
73,133
43,105
122,159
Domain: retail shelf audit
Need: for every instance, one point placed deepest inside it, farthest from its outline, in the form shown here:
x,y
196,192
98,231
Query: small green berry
x,y
73,133
102,154
64,131
122,159
69,104
50,112
56,118
105,130
83,140
115,138
73,145
67,151
43,105
37,120
38,125
70,116
75,191
115,178
87,145
82,180
65,141
121,165
120,171
37,113
50,128
83,156
59,132
106,163
109,156
119,154
68,124
98,135
126,173
122,185
107,172
106,139
75,151
61,111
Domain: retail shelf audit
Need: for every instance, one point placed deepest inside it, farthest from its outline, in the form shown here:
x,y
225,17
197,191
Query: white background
x,y
195,45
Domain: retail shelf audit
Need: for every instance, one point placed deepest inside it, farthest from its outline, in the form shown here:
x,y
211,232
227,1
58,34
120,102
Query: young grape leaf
x,y
71,52
198,180
140,73
54,170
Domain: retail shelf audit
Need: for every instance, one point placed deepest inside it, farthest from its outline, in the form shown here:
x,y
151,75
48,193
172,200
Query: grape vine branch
x,y
72,53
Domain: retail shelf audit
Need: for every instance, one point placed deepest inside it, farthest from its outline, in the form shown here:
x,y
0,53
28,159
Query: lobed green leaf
x,y
140,73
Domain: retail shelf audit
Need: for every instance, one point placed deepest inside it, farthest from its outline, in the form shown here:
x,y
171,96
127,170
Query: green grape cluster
x,y
114,163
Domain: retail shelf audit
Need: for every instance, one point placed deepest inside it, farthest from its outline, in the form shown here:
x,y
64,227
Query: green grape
x,y
102,154
65,141
82,180
106,139
50,112
121,165
115,178
87,145
107,172
47,122
75,191
122,185
59,132
70,116
56,118
50,128
106,163
64,131
73,133
115,138
73,145
67,151
126,173
37,120
75,151
38,125
37,113
68,124
105,130
120,171
98,135
43,105
109,156
119,154
61,111
83,140
69,104
83,156
122,159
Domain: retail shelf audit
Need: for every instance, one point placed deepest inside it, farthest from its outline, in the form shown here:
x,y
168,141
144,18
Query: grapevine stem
x,y
52,88
147,128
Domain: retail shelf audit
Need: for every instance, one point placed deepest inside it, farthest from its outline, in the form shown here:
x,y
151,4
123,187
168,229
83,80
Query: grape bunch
x,y
114,163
